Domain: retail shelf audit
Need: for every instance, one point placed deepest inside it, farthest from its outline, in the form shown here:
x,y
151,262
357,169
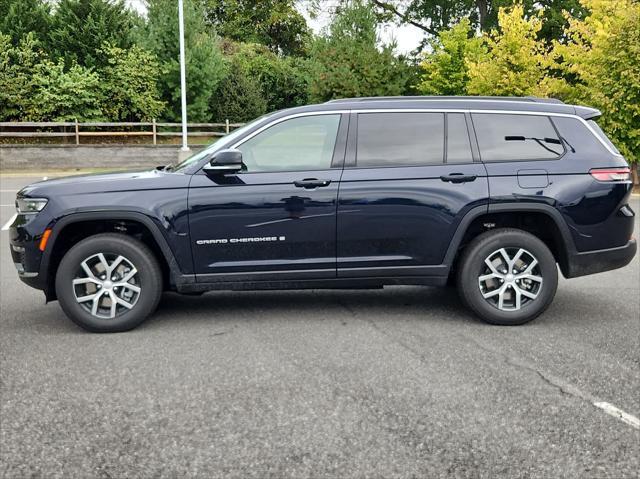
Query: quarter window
x,y
303,143
400,139
509,137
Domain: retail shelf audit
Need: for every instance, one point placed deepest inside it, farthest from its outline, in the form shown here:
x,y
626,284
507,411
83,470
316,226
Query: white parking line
x,y
8,223
619,413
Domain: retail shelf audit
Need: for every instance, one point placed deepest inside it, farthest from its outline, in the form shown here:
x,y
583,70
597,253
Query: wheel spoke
x,y
129,275
506,258
132,287
96,303
501,298
124,303
104,262
492,293
486,277
532,277
89,297
532,265
516,258
492,267
114,305
529,294
115,264
87,270
78,281
518,300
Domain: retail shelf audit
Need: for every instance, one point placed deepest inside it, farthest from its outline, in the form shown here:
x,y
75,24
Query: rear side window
x,y
458,144
509,137
400,139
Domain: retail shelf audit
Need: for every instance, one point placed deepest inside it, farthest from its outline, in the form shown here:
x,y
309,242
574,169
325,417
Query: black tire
x,y
148,279
472,265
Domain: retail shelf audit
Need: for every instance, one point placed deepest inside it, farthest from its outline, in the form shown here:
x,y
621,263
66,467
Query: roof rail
x,y
437,98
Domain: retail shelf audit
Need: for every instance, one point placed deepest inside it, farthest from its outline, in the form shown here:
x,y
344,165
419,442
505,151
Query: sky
x,y
407,37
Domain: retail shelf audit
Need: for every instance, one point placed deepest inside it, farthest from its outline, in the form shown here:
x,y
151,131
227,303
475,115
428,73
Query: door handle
x,y
310,183
458,177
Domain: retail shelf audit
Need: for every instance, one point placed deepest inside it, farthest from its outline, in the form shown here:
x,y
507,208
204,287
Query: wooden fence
x,y
151,130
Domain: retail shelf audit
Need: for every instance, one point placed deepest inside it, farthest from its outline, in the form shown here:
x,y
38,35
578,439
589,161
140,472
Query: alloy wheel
x,y
510,279
107,285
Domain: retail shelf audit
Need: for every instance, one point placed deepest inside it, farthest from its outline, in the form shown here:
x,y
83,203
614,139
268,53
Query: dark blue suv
x,y
490,193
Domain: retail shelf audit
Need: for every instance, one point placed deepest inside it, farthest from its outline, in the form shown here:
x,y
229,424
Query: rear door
x,y
409,178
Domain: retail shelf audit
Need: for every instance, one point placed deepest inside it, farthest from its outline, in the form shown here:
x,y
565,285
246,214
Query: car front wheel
x,y
507,276
109,283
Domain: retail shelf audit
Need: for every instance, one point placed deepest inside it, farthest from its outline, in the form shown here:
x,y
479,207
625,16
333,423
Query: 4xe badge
x,y
256,239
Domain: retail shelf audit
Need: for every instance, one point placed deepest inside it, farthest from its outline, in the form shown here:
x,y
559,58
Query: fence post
x,y
77,133
154,131
227,126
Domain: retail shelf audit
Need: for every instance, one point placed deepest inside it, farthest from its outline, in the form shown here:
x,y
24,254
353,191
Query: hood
x,y
104,182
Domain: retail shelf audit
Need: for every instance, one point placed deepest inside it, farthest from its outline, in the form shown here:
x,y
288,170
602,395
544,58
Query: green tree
x,y
204,61
434,16
33,88
130,84
17,86
445,69
79,29
515,62
351,61
19,17
65,94
274,23
283,81
239,97
602,60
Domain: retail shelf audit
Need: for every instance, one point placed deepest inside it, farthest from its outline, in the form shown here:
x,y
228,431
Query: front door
x,y
276,219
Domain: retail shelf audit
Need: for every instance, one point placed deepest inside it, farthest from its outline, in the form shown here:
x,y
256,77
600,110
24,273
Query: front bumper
x,y
591,262
24,238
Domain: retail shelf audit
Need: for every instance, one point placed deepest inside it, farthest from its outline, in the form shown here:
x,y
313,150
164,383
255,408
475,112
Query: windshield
x,y
223,142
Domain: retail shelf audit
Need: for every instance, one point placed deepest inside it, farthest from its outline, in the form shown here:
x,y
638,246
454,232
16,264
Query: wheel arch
x,y
108,221
557,236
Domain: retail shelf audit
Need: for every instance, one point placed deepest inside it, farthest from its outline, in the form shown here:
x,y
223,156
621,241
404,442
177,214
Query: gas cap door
x,y
533,178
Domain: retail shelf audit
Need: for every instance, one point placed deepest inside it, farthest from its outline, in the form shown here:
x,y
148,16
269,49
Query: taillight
x,y
611,174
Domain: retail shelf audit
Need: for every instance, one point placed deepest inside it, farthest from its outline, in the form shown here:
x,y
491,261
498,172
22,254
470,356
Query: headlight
x,y
30,205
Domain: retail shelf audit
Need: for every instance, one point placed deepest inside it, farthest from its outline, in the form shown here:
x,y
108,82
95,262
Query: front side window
x,y
297,144
400,139
510,137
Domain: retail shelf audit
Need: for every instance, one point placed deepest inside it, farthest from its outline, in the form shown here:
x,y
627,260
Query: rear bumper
x,y
590,262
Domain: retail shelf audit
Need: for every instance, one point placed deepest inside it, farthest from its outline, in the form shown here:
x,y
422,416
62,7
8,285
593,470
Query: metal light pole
x,y
183,78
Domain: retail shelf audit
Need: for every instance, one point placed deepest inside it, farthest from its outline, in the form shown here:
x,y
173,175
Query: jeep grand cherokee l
x,y
492,193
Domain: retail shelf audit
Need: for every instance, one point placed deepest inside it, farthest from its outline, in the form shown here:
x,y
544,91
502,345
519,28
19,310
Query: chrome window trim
x,y
426,110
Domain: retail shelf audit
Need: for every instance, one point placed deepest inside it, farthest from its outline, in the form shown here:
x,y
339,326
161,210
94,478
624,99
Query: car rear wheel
x,y
109,283
507,276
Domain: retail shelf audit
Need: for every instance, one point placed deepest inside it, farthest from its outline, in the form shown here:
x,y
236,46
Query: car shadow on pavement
x,y
407,302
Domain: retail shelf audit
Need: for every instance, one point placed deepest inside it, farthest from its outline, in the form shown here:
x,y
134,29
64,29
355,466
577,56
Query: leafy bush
x,y
129,83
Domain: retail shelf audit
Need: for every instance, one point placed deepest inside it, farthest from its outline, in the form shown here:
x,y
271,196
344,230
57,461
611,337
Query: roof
x,y
521,104
530,99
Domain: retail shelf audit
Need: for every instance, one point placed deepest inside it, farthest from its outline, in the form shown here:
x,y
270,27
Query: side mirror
x,y
225,161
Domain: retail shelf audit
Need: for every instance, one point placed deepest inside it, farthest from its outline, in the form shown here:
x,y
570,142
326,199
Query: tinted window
x,y
397,139
458,144
304,143
516,137
602,136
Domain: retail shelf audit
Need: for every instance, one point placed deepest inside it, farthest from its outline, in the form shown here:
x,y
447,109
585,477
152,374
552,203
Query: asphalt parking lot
x,y
400,382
